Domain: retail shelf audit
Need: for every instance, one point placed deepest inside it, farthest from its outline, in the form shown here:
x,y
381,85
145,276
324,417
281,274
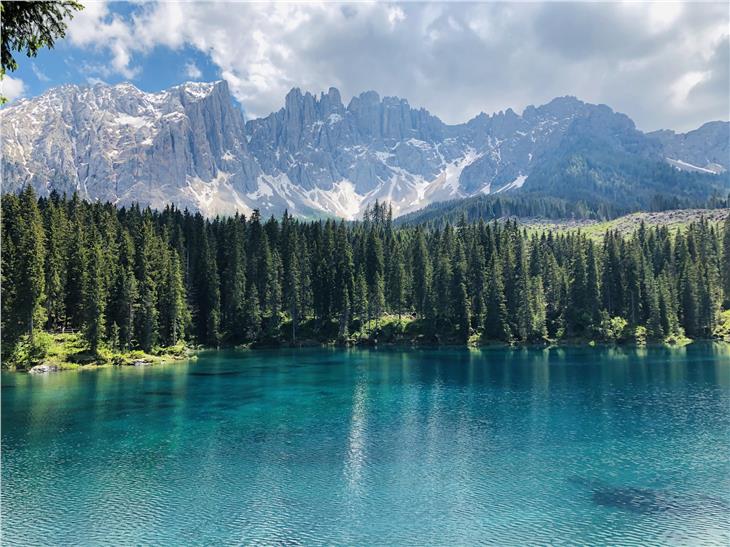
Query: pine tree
x,y
495,323
12,325
29,250
344,280
726,262
374,270
123,294
612,284
128,277
292,287
522,294
688,297
538,309
233,282
593,294
421,273
360,297
252,313
442,289
397,280
146,312
655,323
461,308
667,306
209,299
55,267
76,270
578,314
173,308
553,284
478,275
95,296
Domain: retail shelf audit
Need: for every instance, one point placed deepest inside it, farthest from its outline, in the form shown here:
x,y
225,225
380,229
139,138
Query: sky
x,y
664,64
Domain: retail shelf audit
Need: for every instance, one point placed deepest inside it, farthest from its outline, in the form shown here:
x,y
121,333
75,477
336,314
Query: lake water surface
x,y
388,447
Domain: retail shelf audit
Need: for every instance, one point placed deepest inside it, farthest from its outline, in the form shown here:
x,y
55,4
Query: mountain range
x,y
190,145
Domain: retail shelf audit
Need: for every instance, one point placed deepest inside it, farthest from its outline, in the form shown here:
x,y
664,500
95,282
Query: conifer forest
x,y
128,278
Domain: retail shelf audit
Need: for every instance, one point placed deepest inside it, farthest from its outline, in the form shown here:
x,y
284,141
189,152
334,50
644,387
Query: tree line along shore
x,y
134,285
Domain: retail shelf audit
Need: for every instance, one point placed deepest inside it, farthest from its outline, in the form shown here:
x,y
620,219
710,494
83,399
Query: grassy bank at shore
x,y
53,352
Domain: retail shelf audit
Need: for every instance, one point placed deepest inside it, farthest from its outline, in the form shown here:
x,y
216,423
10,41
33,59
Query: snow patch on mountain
x,y
517,183
189,145
711,168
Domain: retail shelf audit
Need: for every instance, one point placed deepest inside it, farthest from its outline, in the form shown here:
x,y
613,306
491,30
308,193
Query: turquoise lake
x,y
589,446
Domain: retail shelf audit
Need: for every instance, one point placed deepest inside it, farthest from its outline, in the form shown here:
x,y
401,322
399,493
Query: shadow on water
x,y
641,500
219,373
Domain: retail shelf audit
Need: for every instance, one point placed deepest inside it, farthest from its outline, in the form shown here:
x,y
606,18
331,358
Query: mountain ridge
x,y
316,156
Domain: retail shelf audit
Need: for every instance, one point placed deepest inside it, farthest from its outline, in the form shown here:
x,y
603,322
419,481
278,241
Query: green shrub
x,y
612,329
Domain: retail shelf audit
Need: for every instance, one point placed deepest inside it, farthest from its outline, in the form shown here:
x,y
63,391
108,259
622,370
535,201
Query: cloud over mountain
x,y
652,60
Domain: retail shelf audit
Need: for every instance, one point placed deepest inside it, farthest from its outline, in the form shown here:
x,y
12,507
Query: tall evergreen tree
x,y
30,255
146,311
726,262
55,267
461,308
95,296
77,267
173,307
374,270
124,294
421,273
495,324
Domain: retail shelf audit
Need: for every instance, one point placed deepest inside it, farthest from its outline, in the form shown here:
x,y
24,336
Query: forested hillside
x,y
131,278
535,204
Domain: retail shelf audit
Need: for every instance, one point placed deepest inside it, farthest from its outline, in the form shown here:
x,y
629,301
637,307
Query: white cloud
x,y
192,71
12,88
96,26
456,59
395,15
39,74
684,85
91,80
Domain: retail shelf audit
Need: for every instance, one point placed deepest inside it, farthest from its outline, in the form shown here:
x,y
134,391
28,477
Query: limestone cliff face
x,y
189,145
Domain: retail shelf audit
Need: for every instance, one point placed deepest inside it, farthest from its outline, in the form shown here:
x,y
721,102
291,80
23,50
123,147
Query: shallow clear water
x,y
508,447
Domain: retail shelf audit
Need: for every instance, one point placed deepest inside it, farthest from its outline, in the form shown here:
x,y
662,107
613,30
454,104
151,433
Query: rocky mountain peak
x,y
315,156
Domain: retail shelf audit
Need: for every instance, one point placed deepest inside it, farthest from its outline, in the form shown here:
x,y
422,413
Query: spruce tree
x,y
421,273
522,294
360,297
688,299
56,230
146,312
76,270
495,323
374,270
460,306
726,262
397,280
123,297
292,289
233,283
209,300
173,308
95,296
29,251
344,280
